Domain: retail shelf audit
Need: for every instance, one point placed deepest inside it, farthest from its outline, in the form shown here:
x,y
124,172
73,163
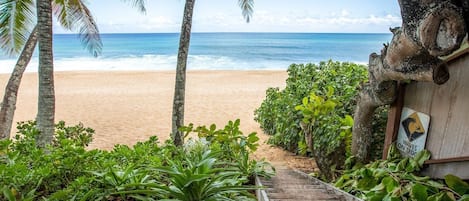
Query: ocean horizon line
x,y
226,32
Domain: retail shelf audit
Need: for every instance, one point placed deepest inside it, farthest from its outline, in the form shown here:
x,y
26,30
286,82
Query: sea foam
x,y
148,62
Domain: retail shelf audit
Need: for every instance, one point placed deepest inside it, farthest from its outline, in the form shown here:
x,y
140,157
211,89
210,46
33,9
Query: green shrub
x,y
230,140
200,176
313,113
234,147
277,115
397,179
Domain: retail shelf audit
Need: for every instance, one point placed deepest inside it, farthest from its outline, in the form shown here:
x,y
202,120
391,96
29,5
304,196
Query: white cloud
x,y
344,13
157,23
341,20
331,23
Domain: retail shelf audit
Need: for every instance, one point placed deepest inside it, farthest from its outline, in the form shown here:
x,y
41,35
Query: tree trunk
x,y
431,28
8,105
361,143
180,86
46,96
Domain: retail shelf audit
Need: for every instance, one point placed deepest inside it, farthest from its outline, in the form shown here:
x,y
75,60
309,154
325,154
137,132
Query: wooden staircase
x,y
293,185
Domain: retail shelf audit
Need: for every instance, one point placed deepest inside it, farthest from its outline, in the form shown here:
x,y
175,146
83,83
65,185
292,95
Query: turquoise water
x,y
217,51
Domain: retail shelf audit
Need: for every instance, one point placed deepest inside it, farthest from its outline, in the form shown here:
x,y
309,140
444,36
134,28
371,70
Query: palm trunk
x,y
46,97
8,105
180,86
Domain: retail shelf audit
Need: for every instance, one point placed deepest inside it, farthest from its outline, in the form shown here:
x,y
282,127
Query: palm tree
x,y
46,95
73,16
16,20
11,44
183,52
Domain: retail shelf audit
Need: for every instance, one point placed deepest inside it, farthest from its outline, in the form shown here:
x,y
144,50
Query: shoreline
x,y
152,71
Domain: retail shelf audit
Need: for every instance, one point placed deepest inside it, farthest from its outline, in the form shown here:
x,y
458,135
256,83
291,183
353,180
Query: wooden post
x,y
394,117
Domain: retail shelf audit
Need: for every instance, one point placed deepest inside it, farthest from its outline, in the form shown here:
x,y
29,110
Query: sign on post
x,y
413,129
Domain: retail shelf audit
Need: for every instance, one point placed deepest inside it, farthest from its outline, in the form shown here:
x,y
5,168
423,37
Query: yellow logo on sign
x,y
413,127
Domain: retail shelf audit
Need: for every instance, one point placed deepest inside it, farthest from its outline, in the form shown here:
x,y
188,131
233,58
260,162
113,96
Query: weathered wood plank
x,y
441,104
418,96
458,122
440,170
448,136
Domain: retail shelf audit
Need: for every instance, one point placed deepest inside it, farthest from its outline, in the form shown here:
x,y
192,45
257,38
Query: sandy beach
x,y
127,107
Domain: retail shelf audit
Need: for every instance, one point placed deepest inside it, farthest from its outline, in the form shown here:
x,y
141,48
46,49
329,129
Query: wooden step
x,y
293,185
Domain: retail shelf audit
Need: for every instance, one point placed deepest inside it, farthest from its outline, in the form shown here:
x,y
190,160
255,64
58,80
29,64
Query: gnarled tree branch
x,y
430,29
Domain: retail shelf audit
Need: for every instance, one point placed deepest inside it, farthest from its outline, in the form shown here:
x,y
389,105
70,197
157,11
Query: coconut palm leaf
x,y
17,19
247,8
75,16
139,4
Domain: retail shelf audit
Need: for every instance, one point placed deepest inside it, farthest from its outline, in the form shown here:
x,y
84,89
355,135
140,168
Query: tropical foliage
x,y
397,179
66,170
313,113
279,115
234,147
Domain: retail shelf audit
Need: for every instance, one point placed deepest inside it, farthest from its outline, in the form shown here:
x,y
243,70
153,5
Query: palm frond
x,y
75,16
62,11
17,19
247,8
139,4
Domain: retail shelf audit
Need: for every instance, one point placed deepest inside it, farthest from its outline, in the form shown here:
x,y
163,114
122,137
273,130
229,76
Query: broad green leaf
x,y
464,198
417,178
213,127
390,184
330,91
390,197
458,185
8,194
367,182
348,120
305,101
375,196
435,184
380,173
442,196
340,182
421,157
379,187
401,166
412,166
419,192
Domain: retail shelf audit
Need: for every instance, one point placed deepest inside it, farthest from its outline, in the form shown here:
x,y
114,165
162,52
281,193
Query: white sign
x,y
413,129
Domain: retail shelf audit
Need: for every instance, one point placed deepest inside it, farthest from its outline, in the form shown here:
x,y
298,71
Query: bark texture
x,y
46,96
430,29
8,105
180,85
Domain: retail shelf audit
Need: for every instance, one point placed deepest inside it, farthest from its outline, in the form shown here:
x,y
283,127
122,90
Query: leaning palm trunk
x,y
180,86
8,105
46,96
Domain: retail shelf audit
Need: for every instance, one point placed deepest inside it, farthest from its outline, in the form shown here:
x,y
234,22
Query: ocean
x,y
209,51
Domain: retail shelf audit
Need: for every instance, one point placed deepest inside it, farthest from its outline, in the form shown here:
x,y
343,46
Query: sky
x,y
318,16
